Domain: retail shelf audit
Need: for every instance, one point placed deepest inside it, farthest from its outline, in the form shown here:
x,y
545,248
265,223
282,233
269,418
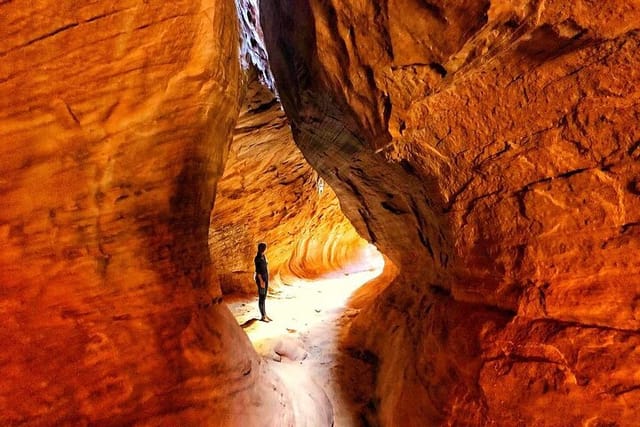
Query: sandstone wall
x,y
269,193
114,121
490,150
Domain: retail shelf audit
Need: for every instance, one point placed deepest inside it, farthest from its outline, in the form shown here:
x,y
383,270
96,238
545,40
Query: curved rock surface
x,y
269,193
490,149
115,118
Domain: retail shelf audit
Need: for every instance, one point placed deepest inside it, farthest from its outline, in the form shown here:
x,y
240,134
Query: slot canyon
x,y
488,149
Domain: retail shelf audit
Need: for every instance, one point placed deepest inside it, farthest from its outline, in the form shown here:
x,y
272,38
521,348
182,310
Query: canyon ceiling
x,y
489,149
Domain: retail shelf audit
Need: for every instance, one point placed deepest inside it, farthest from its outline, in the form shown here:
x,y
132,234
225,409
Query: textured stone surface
x,y
114,121
269,193
490,150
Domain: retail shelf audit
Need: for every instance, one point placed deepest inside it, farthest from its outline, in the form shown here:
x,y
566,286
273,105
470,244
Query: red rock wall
x,y
114,120
490,150
269,193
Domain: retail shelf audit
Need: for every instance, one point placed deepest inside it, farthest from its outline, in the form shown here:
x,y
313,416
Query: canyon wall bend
x,y
491,150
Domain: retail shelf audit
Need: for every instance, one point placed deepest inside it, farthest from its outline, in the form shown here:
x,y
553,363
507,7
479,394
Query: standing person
x,y
262,279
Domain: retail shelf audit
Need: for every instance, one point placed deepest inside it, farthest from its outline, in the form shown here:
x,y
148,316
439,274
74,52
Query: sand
x,y
300,343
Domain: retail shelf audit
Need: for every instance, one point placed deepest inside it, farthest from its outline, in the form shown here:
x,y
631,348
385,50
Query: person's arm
x,y
257,275
261,268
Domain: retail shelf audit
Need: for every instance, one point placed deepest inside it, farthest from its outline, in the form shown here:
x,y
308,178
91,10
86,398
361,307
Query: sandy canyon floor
x,y
300,343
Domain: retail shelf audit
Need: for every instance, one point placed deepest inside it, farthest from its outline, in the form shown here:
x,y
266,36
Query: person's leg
x,y
261,299
266,288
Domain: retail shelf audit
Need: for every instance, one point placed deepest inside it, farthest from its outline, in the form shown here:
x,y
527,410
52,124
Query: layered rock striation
x,y
490,150
269,193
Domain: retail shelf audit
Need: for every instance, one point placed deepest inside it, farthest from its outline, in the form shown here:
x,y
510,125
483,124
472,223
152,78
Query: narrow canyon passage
x,y
489,149
269,193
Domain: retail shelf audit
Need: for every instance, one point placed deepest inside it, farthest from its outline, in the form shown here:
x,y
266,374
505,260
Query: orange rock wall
x,y
490,150
270,193
114,121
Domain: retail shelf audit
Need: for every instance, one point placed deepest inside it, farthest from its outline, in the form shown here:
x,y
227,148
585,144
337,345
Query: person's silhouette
x,y
262,280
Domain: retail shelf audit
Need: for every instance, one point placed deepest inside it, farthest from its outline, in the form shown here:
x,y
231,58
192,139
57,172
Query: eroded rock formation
x,y
270,193
114,120
490,150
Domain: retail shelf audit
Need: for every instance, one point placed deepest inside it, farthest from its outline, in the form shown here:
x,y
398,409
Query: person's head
x,y
262,247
